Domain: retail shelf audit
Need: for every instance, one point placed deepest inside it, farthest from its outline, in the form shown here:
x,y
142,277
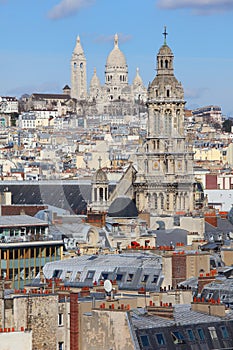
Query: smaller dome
x,y
137,80
123,207
95,82
116,58
165,51
100,176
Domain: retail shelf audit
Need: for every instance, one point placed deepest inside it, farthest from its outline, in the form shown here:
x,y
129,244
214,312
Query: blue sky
x,y
38,37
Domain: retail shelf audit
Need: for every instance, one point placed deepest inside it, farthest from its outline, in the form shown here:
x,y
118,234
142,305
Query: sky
x,y
39,36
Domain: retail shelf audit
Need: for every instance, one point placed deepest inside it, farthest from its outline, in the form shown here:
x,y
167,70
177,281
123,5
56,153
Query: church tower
x,y
78,72
164,182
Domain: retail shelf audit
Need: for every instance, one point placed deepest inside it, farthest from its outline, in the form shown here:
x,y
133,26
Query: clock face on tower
x,y
156,165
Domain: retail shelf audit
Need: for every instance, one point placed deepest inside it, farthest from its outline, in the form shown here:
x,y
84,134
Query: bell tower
x,y
164,182
78,72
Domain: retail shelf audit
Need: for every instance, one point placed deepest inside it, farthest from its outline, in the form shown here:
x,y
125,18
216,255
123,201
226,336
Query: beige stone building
x,y
164,180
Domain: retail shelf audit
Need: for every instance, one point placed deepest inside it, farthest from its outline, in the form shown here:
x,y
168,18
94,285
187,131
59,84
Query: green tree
x,y
227,124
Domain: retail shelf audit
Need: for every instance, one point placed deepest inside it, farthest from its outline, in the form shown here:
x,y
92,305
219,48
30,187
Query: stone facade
x,y
106,330
164,181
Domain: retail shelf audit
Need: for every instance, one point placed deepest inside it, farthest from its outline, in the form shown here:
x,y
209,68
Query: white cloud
x,y
68,8
199,6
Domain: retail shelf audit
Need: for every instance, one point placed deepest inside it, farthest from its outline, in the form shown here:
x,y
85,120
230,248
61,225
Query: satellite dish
x,y
108,286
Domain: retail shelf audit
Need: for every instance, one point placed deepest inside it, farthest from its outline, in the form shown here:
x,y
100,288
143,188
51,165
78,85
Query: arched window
x,y
161,63
81,65
156,201
168,201
95,194
161,201
75,65
166,64
168,93
101,194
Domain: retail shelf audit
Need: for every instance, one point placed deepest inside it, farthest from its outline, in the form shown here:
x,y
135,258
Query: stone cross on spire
x,y
165,35
116,40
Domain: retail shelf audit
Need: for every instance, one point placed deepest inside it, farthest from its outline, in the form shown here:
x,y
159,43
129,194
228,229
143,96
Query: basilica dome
x,y
116,58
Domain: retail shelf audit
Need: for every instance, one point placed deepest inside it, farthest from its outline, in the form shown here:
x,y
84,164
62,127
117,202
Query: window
x,y
155,279
78,274
145,278
68,275
160,339
177,337
104,275
119,277
60,319
90,274
213,333
60,345
191,334
209,296
57,273
224,331
144,340
130,277
201,334
156,201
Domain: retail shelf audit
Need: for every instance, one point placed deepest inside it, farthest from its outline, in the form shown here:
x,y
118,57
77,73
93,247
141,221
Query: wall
x,y
40,314
104,329
16,340
197,263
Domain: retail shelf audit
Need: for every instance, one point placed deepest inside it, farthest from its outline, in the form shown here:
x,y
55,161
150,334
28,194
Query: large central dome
x,y
116,58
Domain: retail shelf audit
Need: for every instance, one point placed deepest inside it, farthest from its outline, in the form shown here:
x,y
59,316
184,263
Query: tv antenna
x,y
108,286
108,289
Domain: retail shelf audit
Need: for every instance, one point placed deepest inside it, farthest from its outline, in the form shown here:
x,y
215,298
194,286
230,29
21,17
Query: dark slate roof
x,y
165,237
72,197
154,332
123,207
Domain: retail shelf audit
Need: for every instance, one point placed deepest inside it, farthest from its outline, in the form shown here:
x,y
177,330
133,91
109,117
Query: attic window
x,y
201,334
155,279
90,274
160,339
145,340
145,278
130,277
57,273
177,337
104,275
119,277
191,335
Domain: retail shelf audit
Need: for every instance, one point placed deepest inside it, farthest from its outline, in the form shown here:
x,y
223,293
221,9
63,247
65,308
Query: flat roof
x,y
21,220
